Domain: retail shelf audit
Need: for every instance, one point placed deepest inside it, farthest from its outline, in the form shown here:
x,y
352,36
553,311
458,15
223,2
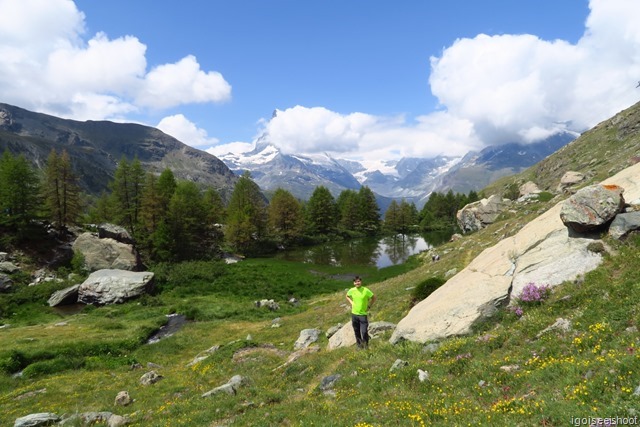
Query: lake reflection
x,y
381,253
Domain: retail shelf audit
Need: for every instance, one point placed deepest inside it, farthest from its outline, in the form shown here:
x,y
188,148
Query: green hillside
x,y
512,371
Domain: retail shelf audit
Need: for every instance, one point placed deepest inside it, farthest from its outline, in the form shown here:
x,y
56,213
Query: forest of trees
x,y
173,220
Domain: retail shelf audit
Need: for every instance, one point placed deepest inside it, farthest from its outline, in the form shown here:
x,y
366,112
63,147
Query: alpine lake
x,y
366,251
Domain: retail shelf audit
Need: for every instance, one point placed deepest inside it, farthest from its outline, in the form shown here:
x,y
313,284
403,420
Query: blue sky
x,y
366,80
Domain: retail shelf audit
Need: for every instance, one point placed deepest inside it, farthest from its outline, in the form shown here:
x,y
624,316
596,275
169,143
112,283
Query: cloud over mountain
x,y
492,89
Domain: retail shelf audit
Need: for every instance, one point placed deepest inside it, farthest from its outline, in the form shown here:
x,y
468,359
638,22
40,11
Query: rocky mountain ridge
x,y
96,147
413,179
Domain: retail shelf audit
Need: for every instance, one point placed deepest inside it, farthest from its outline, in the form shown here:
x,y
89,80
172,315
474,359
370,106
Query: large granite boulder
x,y
477,215
64,297
592,207
114,286
106,253
543,252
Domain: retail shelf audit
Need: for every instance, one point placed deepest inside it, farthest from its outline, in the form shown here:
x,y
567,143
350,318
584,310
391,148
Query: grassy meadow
x,y
509,372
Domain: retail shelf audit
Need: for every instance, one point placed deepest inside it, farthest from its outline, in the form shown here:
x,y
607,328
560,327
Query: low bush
x,y
425,288
545,196
53,366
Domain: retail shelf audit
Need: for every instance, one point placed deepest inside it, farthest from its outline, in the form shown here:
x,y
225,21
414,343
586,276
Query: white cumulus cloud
x,y
512,87
186,131
308,130
184,82
48,64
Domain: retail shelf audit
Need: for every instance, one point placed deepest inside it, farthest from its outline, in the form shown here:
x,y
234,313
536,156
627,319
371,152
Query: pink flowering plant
x,y
532,294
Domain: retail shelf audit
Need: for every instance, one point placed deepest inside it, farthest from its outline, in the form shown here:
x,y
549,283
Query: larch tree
x,y
285,216
322,212
61,190
246,215
369,221
127,189
19,191
348,210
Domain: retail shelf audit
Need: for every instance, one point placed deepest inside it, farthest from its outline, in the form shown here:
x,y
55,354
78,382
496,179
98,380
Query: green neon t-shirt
x,y
360,297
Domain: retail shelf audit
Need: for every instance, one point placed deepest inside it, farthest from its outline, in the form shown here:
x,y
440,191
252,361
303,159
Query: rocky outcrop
x,y
477,215
106,253
544,252
39,419
569,179
528,188
592,207
8,267
623,224
5,282
64,297
114,286
115,232
306,338
231,387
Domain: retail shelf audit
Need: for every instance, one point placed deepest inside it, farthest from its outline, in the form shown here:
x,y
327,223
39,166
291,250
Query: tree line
x,y
174,220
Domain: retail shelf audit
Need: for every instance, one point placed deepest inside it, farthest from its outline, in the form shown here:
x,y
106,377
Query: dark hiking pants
x,y
361,329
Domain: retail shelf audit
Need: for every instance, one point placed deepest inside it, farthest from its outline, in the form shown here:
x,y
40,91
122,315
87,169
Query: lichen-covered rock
x,y
477,215
592,207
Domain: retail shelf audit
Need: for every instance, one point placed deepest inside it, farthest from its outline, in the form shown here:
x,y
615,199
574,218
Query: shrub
x,y
533,294
13,362
425,288
545,196
53,366
78,263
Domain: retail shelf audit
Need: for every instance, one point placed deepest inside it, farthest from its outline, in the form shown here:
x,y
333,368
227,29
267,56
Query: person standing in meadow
x,y
361,299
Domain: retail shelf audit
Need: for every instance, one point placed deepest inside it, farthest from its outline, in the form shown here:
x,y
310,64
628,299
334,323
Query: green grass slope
x,y
512,371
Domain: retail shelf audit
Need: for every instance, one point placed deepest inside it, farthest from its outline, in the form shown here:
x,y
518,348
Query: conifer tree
x,y
246,215
392,216
285,216
348,210
127,193
188,222
61,190
152,211
19,191
321,212
369,211
214,206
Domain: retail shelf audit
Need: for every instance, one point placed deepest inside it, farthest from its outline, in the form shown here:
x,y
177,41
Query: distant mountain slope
x,y
478,169
272,169
97,146
604,150
413,179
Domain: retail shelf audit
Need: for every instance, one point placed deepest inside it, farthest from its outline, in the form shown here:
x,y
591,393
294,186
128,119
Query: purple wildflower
x,y
533,293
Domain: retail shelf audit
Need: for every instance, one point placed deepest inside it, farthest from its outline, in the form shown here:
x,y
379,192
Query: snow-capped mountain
x,y
299,174
413,179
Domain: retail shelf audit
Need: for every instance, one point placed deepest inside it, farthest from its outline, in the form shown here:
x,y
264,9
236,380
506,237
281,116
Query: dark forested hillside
x,y
96,146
